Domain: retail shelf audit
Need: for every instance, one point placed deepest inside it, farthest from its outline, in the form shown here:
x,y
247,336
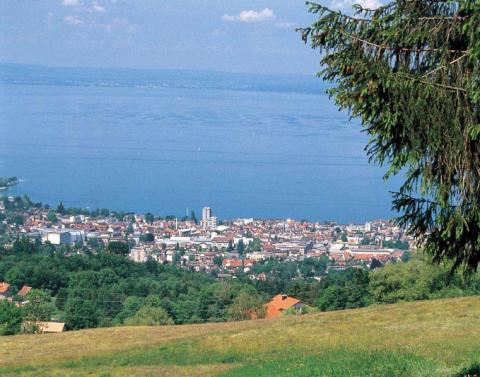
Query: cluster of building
x,y
210,245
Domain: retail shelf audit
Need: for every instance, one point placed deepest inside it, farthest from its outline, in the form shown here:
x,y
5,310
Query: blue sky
x,y
254,36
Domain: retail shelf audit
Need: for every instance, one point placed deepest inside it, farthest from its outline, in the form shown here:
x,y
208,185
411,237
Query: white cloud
x,y
71,3
98,8
73,20
347,4
251,16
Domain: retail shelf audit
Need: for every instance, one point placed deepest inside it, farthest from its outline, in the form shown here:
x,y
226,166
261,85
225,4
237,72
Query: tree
x,y
52,217
409,70
15,219
81,313
147,237
240,247
375,264
23,246
61,209
218,260
246,306
193,217
118,247
149,316
149,218
344,289
255,245
39,306
10,318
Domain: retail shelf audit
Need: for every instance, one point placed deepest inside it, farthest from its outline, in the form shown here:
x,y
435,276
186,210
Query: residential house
x,y
280,303
5,291
24,291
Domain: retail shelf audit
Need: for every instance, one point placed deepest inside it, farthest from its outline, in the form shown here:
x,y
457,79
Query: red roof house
x,y
24,291
279,304
4,291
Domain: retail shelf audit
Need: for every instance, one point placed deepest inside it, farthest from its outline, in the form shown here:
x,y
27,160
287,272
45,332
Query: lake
x,y
165,141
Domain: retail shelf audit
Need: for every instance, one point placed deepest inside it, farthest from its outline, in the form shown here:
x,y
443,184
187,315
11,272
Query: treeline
x,y
19,204
5,182
106,289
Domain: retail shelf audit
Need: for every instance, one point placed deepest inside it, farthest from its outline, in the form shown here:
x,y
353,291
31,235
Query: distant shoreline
x,y
5,183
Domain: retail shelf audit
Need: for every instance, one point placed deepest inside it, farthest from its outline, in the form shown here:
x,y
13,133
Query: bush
x,y
10,318
472,371
149,316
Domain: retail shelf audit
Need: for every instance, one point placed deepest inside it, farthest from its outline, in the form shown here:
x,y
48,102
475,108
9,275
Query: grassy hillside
x,y
431,338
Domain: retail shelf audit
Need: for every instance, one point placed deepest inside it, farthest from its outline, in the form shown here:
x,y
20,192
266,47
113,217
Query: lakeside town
x,y
210,245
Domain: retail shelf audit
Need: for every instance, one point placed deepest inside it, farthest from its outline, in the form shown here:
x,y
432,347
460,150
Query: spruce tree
x,y
410,70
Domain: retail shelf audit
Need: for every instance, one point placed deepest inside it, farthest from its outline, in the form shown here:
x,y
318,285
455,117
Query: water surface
x,y
165,141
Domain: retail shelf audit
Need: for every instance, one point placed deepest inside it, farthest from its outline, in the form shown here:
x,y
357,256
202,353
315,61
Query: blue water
x,y
162,141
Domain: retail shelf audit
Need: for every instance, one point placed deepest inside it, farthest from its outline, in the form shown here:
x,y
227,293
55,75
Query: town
x,y
223,248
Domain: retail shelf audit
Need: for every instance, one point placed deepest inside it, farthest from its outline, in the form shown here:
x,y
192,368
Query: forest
x,y
106,289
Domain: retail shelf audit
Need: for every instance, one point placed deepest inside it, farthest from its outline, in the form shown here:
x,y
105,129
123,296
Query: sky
x,y
254,36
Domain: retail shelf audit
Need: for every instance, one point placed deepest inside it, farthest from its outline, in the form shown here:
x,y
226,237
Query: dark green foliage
x,y
10,318
344,290
402,245
24,246
472,371
15,219
218,260
52,217
118,247
61,209
105,289
39,306
149,316
240,247
375,264
410,71
148,237
419,280
255,245
193,217
149,218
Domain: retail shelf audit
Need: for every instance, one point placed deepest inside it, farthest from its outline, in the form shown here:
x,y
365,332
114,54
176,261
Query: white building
x,y
59,237
62,236
206,213
208,221
368,227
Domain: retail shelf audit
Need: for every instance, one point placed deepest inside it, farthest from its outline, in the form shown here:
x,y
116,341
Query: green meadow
x,y
425,338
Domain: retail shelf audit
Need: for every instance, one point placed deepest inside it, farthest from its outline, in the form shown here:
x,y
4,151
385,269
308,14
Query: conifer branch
x,y
445,66
402,49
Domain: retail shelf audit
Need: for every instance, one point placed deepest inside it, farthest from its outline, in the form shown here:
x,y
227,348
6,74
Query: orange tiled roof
x,y
278,304
4,287
24,291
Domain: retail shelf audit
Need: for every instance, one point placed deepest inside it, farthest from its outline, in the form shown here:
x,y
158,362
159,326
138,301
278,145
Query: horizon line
x,y
313,75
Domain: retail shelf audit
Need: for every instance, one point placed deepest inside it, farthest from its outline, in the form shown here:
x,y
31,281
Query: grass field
x,y
429,338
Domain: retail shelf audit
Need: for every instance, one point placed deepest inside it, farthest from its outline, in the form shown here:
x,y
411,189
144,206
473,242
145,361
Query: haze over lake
x,y
165,141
